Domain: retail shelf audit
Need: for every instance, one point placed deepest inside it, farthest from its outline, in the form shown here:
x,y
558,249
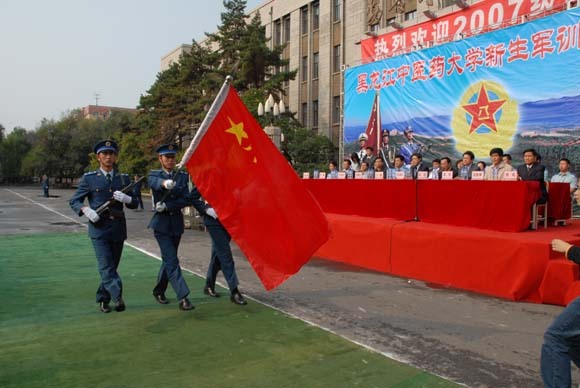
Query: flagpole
x,y
211,113
379,129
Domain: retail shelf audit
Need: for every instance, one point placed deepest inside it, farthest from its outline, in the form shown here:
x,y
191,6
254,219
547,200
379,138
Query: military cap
x,y
363,136
385,133
167,149
408,130
106,145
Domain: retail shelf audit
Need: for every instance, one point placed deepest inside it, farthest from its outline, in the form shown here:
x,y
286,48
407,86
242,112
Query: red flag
x,y
373,130
257,195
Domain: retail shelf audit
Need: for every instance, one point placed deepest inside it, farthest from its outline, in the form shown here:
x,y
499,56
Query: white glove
x,y
160,207
122,197
211,212
169,184
91,214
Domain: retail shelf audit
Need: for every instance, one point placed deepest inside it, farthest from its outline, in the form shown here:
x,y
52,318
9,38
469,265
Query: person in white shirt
x,y
565,176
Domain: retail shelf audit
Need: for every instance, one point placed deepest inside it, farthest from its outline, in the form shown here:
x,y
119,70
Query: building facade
x,y
323,39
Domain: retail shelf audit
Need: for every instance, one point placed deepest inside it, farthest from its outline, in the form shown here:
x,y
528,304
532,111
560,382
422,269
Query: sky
x,y
55,55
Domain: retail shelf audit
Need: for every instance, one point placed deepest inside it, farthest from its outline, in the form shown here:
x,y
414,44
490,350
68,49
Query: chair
x,y
539,214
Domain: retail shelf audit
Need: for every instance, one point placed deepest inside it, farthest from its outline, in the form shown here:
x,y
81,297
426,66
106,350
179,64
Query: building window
x,y
375,28
286,25
304,68
336,58
315,66
315,16
315,114
336,10
336,109
304,20
390,20
277,33
410,15
304,114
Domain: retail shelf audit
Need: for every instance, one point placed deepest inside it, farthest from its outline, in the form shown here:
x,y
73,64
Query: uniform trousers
x,y
561,345
170,271
221,257
108,258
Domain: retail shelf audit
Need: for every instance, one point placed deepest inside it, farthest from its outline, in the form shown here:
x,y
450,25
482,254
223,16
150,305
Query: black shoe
x,y
160,298
237,298
104,307
185,305
120,305
211,292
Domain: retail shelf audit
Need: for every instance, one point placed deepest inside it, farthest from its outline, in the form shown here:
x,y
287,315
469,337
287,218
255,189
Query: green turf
x,y
51,334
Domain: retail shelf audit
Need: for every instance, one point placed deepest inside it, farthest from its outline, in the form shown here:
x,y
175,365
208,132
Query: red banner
x,y
481,17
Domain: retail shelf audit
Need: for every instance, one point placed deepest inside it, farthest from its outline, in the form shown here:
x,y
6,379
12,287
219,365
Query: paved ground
x,y
475,340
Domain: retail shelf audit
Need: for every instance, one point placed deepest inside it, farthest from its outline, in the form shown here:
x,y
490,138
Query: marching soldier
x,y
221,252
170,194
108,229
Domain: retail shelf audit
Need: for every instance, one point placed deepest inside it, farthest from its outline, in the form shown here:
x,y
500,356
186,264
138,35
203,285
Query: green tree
x,y
176,103
12,151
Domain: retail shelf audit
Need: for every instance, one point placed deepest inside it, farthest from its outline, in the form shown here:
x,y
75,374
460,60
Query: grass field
x,y
52,335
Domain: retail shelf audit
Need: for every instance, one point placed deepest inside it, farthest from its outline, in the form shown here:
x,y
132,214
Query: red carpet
x,y
515,266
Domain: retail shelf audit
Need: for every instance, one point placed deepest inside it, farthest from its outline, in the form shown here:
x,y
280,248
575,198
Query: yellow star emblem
x,y
237,130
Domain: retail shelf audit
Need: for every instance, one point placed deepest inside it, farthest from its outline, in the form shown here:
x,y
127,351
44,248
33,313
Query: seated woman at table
x,y
561,343
481,165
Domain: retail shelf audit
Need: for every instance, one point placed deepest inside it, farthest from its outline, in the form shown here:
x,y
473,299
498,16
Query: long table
x,y
501,206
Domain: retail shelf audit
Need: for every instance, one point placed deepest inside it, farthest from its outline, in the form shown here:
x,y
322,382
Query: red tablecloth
x,y
502,206
559,201
367,198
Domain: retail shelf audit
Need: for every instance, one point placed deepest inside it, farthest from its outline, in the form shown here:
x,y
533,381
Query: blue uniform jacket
x,y
95,188
170,221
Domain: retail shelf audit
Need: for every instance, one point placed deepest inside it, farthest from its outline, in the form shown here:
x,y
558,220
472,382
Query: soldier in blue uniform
x,y
221,253
170,194
108,230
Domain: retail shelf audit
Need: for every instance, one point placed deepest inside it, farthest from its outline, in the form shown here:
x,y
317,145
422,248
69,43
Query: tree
x,y
2,133
12,152
175,104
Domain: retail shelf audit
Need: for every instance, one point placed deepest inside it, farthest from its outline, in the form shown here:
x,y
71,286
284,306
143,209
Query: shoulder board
x,y
154,171
90,173
125,175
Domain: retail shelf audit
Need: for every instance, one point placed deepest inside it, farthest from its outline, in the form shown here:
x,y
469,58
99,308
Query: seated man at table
x,y
446,165
435,166
417,165
468,165
495,171
379,166
565,176
399,166
333,171
531,170
347,168
367,172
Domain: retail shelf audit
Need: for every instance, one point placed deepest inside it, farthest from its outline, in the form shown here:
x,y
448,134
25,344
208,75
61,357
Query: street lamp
x,y
272,109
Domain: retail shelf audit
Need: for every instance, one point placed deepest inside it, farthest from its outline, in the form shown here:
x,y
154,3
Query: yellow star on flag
x,y
237,130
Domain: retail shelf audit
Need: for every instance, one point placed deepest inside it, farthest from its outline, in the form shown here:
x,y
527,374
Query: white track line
x,y
392,356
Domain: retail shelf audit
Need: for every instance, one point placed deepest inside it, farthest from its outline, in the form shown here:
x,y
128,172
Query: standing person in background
x,y
170,194
137,193
561,343
107,231
45,186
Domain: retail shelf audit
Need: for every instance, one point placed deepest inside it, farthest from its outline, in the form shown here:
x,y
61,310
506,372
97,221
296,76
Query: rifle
x,y
105,206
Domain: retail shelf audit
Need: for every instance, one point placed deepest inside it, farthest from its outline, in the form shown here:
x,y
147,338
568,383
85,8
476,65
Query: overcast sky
x,y
55,55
